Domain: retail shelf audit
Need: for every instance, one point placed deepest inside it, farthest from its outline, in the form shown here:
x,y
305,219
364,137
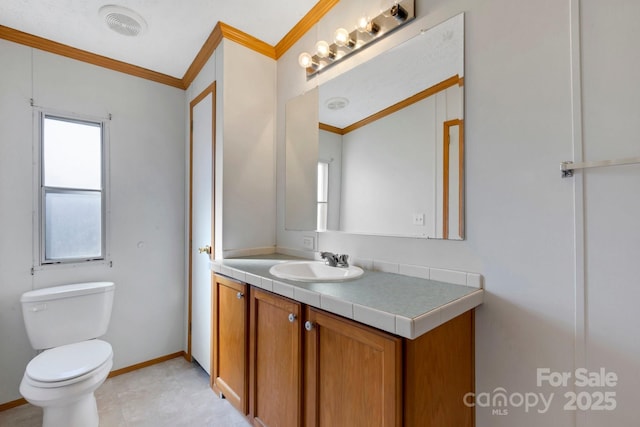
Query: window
x,y
323,195
72,190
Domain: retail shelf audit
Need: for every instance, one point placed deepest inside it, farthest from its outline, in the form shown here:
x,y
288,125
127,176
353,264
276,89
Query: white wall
x,y
245,132
523,222
147,198
248,94
392,170
611,200
302,142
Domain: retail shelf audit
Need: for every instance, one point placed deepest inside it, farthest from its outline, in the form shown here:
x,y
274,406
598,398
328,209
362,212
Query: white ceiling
x,y
176,29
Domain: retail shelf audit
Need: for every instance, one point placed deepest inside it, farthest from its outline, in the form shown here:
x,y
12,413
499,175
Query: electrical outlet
x,y
418,219
308,242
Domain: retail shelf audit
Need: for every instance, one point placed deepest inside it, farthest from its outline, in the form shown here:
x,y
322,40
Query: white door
x,y
202,111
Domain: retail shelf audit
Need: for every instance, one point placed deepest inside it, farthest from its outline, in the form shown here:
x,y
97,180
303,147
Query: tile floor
x,y
173,393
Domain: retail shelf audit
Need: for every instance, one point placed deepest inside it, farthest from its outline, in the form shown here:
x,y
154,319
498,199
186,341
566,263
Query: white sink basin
x,y
314,271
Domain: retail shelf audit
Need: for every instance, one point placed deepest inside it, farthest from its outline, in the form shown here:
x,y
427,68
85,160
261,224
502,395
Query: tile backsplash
x,y
438,274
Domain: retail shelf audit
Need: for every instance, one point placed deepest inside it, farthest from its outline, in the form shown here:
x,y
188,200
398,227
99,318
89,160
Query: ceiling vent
x,y
123,21
337,103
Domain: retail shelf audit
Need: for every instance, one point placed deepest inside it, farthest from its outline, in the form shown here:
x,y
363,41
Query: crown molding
x,y
220,31
438,87
305,24
224,31
203,56
247,40
82,55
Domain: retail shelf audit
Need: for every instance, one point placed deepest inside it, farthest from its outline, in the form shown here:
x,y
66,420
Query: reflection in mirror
x,y
452,179
391,149
301,148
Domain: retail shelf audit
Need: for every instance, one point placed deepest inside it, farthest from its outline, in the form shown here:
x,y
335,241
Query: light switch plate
x,y
308,242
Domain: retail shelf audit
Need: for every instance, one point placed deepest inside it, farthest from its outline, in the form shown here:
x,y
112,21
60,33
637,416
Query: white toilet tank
x,y
67,314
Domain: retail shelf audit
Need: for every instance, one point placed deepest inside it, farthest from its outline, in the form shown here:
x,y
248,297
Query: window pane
x,y
72,154
322,217
73,225
323,181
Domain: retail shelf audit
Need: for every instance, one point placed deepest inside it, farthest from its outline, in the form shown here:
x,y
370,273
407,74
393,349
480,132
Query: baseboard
x,y
235,253
21,401
141,365
300,253
12,404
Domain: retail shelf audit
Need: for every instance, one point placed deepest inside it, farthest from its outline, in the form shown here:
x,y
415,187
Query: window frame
x,y
323,201
40,261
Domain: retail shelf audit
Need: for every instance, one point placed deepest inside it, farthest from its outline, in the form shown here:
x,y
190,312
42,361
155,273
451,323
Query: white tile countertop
x,y
401,304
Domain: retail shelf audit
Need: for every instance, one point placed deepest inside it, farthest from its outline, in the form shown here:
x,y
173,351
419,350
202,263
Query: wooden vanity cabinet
x,y
356,375
353,374
275,360
290,365
229,344
438,372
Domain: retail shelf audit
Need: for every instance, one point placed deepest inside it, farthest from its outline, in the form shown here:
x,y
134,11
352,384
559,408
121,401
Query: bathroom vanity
x,y
381,350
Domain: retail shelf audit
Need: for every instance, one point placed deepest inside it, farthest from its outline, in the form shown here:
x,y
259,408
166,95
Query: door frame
x,y
211,89
445,177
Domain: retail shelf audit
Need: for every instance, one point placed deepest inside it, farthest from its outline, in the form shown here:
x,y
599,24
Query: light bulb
x,y
362,24
342,38
323,49
366,25
305,60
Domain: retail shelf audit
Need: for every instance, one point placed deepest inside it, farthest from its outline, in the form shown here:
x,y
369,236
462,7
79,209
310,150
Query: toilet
x,y
65,321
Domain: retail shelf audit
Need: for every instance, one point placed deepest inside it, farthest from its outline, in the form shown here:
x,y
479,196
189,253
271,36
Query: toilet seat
x,y
68,364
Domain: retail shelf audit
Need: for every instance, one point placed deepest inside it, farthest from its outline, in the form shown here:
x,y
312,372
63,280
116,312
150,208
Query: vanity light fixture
x,y
399,12
367,30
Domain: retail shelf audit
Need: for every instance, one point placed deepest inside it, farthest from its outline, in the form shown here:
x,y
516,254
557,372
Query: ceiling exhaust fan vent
x,y
337,103
123,21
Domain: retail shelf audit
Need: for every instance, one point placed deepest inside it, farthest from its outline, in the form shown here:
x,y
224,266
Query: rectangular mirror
x,y
380,148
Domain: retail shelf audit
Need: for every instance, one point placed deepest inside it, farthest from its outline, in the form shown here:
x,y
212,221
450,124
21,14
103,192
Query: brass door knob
x,y
205,250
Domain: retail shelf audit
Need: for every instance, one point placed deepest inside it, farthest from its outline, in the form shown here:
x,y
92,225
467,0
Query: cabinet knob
x,y
292,317
239,295
308,325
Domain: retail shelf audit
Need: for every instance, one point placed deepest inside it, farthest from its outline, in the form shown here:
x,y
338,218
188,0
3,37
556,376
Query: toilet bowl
x,y
62,379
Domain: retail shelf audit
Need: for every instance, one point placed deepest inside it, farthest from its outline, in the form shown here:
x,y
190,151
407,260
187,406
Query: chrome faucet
x,y
335,260
343,260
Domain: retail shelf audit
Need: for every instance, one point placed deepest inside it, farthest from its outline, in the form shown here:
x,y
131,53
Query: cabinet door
x,y
276,360
229,363
352,374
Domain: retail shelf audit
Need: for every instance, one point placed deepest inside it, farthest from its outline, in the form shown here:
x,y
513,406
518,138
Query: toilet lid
x,y
69,361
